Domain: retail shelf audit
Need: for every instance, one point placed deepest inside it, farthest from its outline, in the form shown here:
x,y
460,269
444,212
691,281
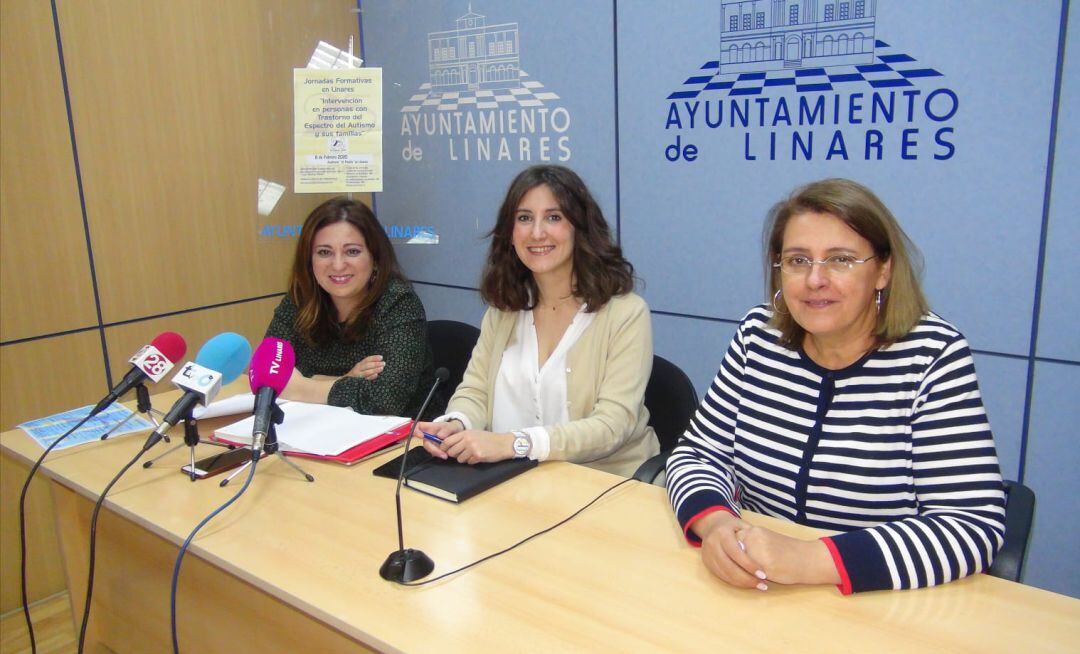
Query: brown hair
x,y
600,271
316,320
902,301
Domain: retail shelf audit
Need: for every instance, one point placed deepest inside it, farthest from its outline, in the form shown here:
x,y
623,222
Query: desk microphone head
x,y
227,353
220,360
171,345
270,371
271,365
152,362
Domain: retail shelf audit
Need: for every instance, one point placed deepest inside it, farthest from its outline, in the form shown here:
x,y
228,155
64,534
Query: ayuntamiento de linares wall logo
x,y
810,81
479,99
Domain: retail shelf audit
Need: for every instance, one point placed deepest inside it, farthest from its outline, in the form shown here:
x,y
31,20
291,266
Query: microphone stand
x,y
407,565
191,440
142,397
277,416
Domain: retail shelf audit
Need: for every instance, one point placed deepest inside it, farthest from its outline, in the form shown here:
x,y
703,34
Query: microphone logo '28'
x,y
151,362
155,364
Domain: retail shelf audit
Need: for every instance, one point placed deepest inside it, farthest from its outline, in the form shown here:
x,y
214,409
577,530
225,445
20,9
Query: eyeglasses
x,y
800,264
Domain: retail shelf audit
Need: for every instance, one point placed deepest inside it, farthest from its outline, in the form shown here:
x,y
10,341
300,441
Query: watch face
x,y
522,446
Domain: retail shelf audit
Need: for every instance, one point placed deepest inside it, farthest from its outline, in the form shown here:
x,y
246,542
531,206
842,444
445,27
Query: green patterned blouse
x,y
398,331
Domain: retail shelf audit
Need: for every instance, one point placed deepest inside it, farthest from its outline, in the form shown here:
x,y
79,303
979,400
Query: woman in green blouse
x,y
356,325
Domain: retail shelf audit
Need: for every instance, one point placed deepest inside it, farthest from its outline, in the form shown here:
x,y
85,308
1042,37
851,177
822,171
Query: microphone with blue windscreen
x,y
220,360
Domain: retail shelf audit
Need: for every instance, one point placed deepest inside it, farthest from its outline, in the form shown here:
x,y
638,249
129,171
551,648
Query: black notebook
x,y
392,468
453,481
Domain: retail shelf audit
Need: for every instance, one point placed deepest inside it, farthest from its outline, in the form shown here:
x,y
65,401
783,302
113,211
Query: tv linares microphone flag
x,y
271,368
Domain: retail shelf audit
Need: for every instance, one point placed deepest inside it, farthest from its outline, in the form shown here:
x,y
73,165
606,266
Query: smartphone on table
x,y
218,463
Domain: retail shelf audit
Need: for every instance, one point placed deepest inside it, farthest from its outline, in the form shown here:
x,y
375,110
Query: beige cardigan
x,y
608,369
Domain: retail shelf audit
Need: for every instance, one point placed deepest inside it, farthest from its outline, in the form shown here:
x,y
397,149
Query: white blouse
x,y
527,395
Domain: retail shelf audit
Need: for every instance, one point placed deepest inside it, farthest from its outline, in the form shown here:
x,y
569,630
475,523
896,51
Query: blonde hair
x,y
902,301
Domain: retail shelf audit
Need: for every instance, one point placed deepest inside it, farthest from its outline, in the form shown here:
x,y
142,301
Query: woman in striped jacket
x,y
845,405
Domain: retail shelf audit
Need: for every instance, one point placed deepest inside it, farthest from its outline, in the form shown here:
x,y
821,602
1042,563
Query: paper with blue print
x,y
46,430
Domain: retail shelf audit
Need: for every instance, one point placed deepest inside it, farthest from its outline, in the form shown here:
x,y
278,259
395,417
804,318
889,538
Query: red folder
x,y
363,450
354,454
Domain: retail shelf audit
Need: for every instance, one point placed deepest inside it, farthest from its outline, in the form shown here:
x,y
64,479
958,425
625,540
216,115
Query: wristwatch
x,y
522,444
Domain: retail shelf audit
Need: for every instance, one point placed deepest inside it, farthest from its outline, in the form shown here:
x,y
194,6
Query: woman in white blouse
x,y
565,348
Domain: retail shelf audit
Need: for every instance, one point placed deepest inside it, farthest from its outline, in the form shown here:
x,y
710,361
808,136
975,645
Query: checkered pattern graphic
x,y
891,69
530,94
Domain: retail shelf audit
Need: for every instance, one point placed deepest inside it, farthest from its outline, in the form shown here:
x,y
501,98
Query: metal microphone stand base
x,y
276,417
225,481
142,396
406,565
191,440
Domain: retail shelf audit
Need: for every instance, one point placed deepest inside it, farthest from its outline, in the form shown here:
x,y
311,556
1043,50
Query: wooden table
x,y
293,567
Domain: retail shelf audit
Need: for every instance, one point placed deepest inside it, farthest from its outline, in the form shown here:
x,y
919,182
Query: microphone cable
x,y
520,542
187,542
93,542
22,526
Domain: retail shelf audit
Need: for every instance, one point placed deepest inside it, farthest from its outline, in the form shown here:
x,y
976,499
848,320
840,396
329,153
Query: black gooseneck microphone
x,y
406,565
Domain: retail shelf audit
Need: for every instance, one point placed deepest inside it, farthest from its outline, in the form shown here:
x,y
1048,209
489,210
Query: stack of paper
x,y
321,431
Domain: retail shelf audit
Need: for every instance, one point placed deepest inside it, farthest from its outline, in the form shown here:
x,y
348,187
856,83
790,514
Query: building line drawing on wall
x,y
476,65
808,45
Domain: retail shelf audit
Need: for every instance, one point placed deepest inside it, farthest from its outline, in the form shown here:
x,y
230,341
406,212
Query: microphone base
x,y
406,565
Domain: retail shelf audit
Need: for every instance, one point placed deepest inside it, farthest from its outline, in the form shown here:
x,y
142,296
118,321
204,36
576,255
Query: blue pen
x,y
432,437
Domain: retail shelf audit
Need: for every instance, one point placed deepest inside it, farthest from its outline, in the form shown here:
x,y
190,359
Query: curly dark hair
x,y
316,320
600,271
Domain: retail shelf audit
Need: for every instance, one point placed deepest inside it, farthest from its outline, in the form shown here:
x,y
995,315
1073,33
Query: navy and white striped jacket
x,y
895,451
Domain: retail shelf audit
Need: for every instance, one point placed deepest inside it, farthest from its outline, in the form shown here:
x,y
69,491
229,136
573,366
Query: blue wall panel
x,y
471,142
1059,333
442,303
1052,463
696,346
1000,379
985,191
